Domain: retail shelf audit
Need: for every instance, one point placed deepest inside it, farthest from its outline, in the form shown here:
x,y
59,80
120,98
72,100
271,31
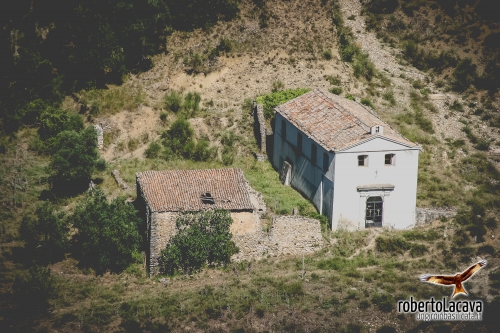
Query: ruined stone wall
x,y
289,235
162,229
260,124
427,215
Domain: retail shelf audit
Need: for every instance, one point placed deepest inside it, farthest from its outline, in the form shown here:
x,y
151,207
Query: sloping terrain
x,y
353,283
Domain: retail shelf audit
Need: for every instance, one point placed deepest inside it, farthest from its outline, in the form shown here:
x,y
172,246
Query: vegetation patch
x,y
270,101
202,239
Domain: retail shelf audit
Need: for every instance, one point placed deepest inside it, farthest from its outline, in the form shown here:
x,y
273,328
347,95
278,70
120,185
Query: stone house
x,y
353,166
166,194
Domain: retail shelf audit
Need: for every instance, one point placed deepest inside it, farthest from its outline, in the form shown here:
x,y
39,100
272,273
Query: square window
x,y
390,159
363,160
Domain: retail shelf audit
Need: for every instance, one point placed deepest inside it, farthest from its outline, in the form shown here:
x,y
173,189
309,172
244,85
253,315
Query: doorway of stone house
x,y
374,209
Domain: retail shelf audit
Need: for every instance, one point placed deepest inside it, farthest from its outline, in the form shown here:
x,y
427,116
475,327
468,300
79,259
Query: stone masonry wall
x,y
427,215
162,229
289,235
260,123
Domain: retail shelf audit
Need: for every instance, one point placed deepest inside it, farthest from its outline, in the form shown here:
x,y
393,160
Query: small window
x,y
207,198
283,130
314,152
390,159
299,143
363,160
326,161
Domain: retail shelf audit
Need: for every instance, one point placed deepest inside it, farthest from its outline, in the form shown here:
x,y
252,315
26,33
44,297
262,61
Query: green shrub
x,y
351,97
153,151
418,250
192,103
277,85
179,138
424,123
202,151
270,101
327,54
101,164
336,90
391,244
363,66
132,144
486,249
389,96
367,102
173,101
334,80
163,117
202,238
456,106
385,302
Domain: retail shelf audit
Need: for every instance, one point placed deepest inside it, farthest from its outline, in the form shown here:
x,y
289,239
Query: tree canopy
x,y
46,53
108,236
202,238
46,237
74,161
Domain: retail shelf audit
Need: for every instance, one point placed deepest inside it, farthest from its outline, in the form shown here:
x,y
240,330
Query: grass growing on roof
x,y
270,101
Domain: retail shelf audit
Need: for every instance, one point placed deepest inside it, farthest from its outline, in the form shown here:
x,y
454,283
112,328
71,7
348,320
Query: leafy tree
x,y
54,121
202,238
108,236
33,292
46,237
74,161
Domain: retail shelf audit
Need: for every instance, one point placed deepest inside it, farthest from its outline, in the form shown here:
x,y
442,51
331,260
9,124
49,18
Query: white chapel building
x,y
353,166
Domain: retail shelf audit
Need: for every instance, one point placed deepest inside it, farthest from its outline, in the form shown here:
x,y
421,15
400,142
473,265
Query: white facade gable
x,y
356,169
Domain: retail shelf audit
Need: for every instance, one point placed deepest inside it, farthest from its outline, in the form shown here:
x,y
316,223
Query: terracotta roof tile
x,y
335,122
181,190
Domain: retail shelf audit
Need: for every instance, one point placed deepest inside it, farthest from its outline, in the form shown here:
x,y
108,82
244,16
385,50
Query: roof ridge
x,y
344,109
372,112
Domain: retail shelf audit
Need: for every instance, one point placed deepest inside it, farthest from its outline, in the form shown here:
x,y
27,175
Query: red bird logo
x,y
456,279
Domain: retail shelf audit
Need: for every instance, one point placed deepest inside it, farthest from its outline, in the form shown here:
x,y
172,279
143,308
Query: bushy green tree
x,y
178,142
202,238
54,121
46,237
108,236
74,161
